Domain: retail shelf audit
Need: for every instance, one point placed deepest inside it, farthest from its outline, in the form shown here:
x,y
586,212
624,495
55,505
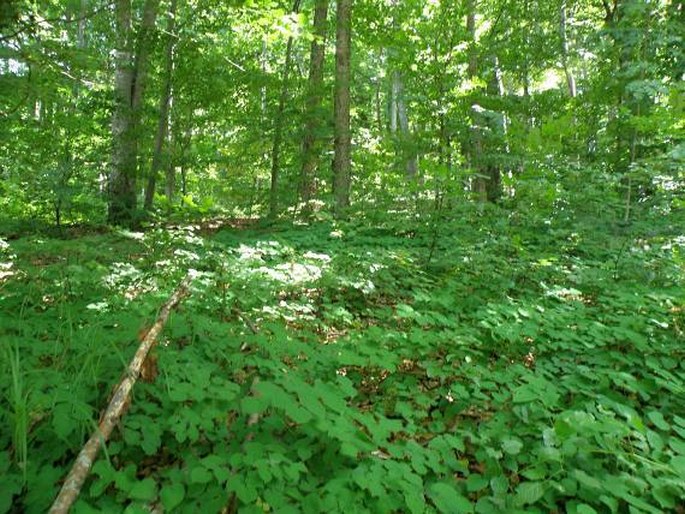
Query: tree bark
x,y
130,75
278,124
497,128
570,78
399,126
311,143
165,102
116,408
475,145
121,182
343,141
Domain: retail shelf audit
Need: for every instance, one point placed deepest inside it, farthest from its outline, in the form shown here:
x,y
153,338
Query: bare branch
x,y
116,408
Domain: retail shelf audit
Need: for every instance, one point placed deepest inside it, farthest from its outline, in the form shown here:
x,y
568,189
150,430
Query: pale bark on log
x,y
117,405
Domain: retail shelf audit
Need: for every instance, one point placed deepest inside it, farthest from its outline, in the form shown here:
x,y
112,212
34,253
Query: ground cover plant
x,y
379,256
504,375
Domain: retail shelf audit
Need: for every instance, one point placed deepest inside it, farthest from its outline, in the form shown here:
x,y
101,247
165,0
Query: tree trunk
x,y
311,144
377,107
570,79
81,27
165,101
399,126
474,148
121,183
129,86
278,125
343,141
444,138
497,144
170,183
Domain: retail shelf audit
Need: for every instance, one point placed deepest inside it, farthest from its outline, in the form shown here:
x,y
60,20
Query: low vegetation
x,y
380,367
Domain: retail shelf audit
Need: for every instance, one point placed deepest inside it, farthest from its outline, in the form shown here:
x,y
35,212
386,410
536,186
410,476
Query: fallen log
x,y
116,408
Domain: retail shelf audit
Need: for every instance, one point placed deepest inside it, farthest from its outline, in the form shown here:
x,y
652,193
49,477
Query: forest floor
x,y
376,367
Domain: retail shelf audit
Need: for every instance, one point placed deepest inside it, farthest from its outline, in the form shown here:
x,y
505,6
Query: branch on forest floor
x,y
116,408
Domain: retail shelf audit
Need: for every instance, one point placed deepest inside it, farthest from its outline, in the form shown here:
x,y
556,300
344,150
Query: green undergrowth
x,y
529,366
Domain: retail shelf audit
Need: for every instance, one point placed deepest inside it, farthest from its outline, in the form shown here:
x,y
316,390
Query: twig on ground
x,y
116,408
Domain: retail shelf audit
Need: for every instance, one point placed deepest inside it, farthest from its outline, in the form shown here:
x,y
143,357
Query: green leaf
x,y
512,446
587,480
525,394
499,485
9,486
152,439
243,488
62,420
476,482
678,445
200,475
144,490
529,493
416,503
658,419
448,500
172,495
678,464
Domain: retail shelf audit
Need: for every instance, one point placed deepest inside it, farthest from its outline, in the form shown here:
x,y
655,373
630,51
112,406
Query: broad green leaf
x,y
172,495
525,394
512,446
499,485
678,464
658,419
587,480
200,475
529,493
144,490
448,500
476,482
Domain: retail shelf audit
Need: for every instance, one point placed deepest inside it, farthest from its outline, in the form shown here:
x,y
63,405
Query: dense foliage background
x,y
438,249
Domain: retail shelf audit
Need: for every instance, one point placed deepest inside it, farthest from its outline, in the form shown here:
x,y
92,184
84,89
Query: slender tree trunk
x,y
526,68
475,145
570,78
184,181
342,161
263,58
143,49
170,183
121,183
311,143
170,178
165,101
498,144
377,107
81,28
399,126
444,140
278,124
130,77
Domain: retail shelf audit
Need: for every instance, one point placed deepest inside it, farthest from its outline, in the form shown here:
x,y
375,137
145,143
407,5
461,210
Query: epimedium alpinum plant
x,y
537,378
479,307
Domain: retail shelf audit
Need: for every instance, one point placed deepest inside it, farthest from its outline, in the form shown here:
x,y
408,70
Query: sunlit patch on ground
x,y
291,273
6,261
261,261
